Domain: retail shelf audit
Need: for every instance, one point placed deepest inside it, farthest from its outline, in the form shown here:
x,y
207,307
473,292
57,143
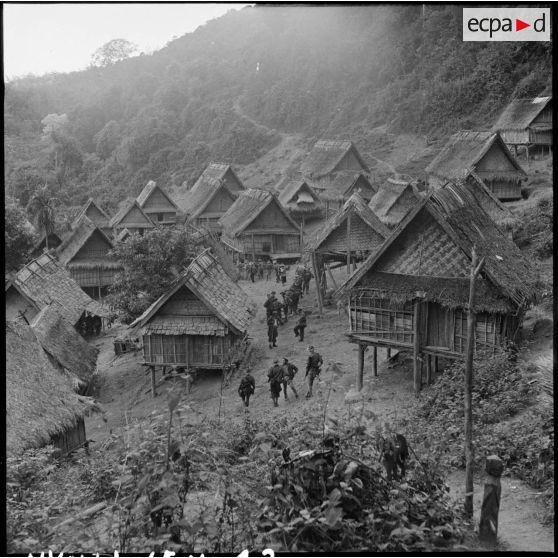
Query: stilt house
x,y
42,281
93,211
197,321
211,196
157,204
413,293
64,346
299,199
257,226
85,253
132,217
393,200
526,122
41,406
354,233
484,153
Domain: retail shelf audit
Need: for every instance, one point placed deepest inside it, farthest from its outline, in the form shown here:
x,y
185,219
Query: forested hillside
x,y
318,71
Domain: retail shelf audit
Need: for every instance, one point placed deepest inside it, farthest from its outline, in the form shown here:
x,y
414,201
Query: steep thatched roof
x,y
194,201
63,343
40,402
498,212
54,240
83,230
93,211
458,213
464,150
520,113
327,154
355,205
337,185
209,282
148,191
126,206
393,200
297,196
44,280
249,204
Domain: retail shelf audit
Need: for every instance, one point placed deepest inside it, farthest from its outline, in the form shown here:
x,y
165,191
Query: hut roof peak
x,y
327,154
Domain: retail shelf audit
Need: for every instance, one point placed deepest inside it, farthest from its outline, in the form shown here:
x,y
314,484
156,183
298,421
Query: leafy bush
x,y
534,230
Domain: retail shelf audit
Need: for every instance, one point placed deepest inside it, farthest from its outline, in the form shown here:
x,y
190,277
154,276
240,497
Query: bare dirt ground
x,y
126,398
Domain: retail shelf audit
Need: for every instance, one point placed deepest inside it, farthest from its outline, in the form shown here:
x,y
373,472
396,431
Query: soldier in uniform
x,y
247,387
300,325
306,277
289,371
275,379
313,368
272,324
268,304
283,274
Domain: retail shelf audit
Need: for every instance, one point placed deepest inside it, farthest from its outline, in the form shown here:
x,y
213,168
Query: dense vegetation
x,y
335,71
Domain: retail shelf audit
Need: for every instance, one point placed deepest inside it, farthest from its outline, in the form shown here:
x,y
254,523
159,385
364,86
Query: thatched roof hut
x,y
54,240
157,204
413,293
339,186
40,402
132,217
44,280
197,320
93,211
258,225
393,200
64,344
367,232
211,195
328,156
526,121
298,197
484,153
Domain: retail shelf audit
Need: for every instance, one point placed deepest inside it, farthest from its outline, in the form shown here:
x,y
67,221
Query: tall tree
x,y
113,51
41,210
19,237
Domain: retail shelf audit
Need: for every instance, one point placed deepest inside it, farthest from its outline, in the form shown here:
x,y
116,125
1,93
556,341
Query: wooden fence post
x,y
488,526
475,270
360,368
417,367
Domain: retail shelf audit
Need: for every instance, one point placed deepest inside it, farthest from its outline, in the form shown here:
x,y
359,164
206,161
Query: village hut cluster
x,y
407,248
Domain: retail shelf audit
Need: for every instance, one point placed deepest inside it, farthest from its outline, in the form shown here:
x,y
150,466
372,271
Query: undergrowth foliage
x,y
502,390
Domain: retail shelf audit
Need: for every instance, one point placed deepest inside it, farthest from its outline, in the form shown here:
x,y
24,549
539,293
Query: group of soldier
x,y
281,376
260,270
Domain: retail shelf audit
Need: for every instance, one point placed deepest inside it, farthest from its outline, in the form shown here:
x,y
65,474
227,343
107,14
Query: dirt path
x,y
519,525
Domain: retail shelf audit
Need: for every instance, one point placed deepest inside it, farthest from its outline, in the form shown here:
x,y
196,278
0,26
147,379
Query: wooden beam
x,y
375,360
360,368
153,388
417,368
349,243
468,399
318,291
254,247
428,369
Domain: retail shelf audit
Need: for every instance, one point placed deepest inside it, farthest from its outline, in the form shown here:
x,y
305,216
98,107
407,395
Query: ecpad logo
x,y
506,24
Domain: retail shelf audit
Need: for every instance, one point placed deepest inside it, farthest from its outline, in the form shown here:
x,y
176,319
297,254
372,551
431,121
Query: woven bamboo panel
x,y
426,251
363,237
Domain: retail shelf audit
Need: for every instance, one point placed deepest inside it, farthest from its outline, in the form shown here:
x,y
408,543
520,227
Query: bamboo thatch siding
x,y
328,156
157,204
132,217
93,212
393,200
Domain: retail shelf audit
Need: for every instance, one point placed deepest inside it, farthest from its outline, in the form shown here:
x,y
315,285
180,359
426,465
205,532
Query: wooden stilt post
x,y
153,391
253,249
428,369
388,352
349,243
375,360
475,270
417,368
435,366
488,525
302,237
319,290
360,368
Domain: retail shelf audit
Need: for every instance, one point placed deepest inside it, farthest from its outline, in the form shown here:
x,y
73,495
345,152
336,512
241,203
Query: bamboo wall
x,y
71,439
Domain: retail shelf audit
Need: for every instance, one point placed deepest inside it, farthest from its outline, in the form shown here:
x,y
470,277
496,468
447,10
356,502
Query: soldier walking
x,y
306,277
275,379
289,371
313,368
272,324
247,387
283,274
300,325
